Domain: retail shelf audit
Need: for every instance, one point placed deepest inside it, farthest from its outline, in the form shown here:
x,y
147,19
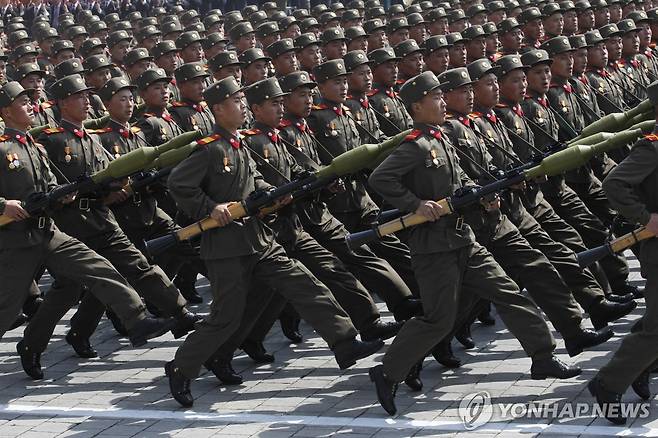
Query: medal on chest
x,y
519,130
67,154
14,162
332,129
266,155
565,108
435,160
227,165
298,143
359,117
386,112
117,151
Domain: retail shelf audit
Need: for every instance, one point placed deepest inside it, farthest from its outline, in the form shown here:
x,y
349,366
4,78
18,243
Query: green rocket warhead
x,y
140,159
173,157
366,156
591,139
616,121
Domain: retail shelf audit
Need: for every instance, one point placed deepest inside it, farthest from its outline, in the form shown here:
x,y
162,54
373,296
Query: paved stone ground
x,y
303,394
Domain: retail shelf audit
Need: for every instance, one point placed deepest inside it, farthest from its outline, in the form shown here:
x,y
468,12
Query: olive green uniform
x,y
363,114
192,116
631,188
242,252
446,259
75,152
336,133
391,113
29,244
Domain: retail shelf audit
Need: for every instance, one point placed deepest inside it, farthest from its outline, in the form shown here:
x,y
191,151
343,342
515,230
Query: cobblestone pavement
x,y
303,394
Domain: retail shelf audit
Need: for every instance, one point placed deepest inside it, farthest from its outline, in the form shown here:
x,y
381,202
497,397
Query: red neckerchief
x,y
517,110
79,132
125,133
166,116
273,135
234,142
301,126
582,78
436,133
198,107
491,116
465,121
389,92
36,108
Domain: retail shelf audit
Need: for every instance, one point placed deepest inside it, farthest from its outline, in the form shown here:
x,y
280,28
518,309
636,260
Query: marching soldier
x,y
359,85
422,169
31,77
240,252
192,112
631,188
32,241
410,63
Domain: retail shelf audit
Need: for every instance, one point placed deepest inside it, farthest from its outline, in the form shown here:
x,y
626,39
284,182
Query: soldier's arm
x,y
386,179
185,185
149,130
620,184
259,181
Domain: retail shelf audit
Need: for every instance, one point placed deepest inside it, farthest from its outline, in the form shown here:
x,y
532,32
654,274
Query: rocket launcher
x,y
591,256
617,121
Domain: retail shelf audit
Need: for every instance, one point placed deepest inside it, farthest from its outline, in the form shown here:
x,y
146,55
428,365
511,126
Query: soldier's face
x,y
299,102
138,68
460,100
193,89
534,29
231,113
398,36
630,43
245,42
457,55
286,63
33,81
644,34
121,106
614,46
192,53
579,61
492,43
615,12
586,19
255,71
229,70
486,91
497,16
377,39
358,44
601,17
570,21
597,56
512,40
418,33
562,65
554,24
119,50
269,112
98,78
360,80
430,109
334,89
168,62
310,56
437,61
19,114
411,65
75,107
539,78
335,49
156,95
476,49
386,73
292,32
513,85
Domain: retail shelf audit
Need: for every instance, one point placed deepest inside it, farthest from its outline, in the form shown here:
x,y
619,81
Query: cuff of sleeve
x,y
412,205
644,217
3,202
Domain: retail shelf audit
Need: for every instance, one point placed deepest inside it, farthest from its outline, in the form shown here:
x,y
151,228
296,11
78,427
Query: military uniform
x,y
336,133
75,152
631,188
242,251
424,166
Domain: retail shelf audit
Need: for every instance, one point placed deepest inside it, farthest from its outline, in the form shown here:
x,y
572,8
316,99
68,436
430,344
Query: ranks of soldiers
x,y
126,130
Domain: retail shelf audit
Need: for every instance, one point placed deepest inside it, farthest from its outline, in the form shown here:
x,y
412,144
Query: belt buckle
x,y
459,225
42,222
137,198
84,204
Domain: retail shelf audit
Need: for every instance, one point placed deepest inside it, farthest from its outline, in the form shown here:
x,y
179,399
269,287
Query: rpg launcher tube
x,y
591,256
615,121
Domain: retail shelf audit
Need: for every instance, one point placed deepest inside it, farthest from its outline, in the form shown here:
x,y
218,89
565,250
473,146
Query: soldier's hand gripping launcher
x,y
555,164
347,163
122,167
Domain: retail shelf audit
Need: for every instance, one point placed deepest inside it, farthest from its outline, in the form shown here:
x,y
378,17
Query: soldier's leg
x,y
17,270
376,274
77,263
584,286
390,248
637,350
265,321
572,209
148,280
348,291
530,267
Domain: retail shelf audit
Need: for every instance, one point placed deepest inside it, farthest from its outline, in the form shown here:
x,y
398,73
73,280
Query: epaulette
x,y
285,123
475,115
135,129
372,92
502,105
100,130
621,62
53,130
178,104
209,139
651,137
253,131
320,106
413,135
5,137
527,96
47,104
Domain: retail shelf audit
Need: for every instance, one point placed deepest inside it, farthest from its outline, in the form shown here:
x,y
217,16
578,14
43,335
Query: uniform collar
x,y
72,127
270,132
123,129
431,130
20,136
233,139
